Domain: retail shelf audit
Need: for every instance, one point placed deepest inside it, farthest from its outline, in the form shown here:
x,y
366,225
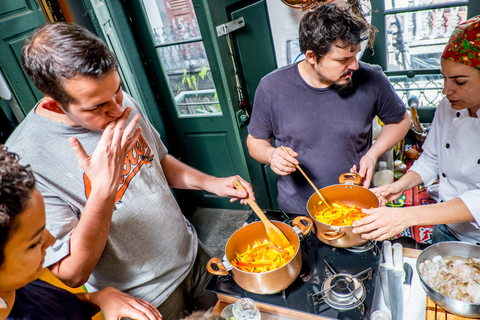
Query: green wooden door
x,y
254,57
190,70
197,109
18,18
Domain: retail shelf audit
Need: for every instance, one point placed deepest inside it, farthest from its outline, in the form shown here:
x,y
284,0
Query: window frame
x,y
380,51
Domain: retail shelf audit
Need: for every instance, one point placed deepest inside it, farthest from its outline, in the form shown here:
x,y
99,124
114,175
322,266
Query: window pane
x,y
397,4
190,79
180,48
416,40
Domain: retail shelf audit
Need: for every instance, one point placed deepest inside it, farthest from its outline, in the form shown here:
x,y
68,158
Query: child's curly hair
x,y
17,183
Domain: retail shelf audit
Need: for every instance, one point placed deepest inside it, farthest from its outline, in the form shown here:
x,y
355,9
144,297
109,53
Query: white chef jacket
x,y
452,151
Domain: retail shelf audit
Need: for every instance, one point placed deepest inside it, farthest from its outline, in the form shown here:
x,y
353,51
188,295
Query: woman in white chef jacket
x,y
451,151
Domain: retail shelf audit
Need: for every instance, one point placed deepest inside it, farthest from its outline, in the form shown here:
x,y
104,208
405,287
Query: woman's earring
x,y
3,304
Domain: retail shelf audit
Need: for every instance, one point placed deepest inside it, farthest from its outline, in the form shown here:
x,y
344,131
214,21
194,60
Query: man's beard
x,y
346,89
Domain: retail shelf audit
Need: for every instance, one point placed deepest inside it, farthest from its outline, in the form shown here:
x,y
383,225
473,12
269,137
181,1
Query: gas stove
x,y
335,283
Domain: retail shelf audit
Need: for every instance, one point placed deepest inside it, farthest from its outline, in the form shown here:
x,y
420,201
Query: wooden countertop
x,y
433,312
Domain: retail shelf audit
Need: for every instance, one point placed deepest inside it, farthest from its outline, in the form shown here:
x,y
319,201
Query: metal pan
x,y
267,282
450,249
349,193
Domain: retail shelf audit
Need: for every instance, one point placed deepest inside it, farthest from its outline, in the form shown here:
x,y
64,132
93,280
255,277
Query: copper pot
x,y
299,4
349,193
266,282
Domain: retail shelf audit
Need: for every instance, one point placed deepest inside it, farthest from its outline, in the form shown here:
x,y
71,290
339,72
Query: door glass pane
x,y
415,40
180,48
398,4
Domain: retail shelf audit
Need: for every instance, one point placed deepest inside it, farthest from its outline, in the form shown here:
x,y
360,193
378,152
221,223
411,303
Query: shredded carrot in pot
x,y
339,215
263,257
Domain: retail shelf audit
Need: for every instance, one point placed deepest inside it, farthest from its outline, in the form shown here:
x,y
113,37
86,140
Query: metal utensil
x,y
309,181
383,270
273,233
407,284
395,282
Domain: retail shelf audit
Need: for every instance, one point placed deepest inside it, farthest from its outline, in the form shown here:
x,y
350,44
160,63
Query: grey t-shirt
x,y
151,246
329,132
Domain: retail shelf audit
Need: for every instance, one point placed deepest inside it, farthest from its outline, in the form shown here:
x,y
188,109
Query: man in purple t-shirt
x,y
321,109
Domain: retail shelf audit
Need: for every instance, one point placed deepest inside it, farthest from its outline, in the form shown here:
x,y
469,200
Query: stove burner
x,y
343,292
364,247
342,286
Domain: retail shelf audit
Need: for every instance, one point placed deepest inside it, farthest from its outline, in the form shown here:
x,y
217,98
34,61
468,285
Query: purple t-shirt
x,y
329,132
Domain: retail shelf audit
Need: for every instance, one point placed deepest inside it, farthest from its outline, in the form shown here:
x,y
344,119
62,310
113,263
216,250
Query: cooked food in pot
x,y
455,277
263,257
339,214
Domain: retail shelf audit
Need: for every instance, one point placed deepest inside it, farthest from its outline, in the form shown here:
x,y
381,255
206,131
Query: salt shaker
x,y
245,309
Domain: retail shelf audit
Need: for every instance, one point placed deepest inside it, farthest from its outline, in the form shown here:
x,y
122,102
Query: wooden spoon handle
x,y
252,203
273,232
308,179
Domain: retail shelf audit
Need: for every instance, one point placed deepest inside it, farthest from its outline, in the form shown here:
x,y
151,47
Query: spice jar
x,y
384,169
399,169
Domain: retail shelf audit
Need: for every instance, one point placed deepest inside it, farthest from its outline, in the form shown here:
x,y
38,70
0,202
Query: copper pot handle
x,y
331,234
350,178
305,229
216,261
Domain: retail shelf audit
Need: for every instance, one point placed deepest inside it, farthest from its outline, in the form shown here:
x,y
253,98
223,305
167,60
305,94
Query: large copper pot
x,y
349,193
267,282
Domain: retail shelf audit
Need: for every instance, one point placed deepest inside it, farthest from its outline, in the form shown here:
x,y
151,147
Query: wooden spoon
x,y
416,121
273,232
310,181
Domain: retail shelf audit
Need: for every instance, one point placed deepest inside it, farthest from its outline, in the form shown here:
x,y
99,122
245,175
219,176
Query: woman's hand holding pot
x,y
381,223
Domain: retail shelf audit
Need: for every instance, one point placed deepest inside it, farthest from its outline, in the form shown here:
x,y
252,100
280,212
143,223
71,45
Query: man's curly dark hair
x,y
323,26
17,184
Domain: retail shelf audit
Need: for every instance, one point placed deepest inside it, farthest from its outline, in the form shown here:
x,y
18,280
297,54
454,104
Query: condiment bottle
x,y
398,170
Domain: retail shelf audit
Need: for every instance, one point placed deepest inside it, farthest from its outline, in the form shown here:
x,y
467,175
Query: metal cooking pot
x,y
455,249
266,282
349,193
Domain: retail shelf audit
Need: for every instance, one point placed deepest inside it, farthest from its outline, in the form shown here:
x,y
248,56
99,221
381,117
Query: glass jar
x,y
399,169
384,169
245,309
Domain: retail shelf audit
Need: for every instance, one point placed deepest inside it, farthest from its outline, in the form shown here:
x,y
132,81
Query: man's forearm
x,y
389,136
260,150
181,176
87,241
